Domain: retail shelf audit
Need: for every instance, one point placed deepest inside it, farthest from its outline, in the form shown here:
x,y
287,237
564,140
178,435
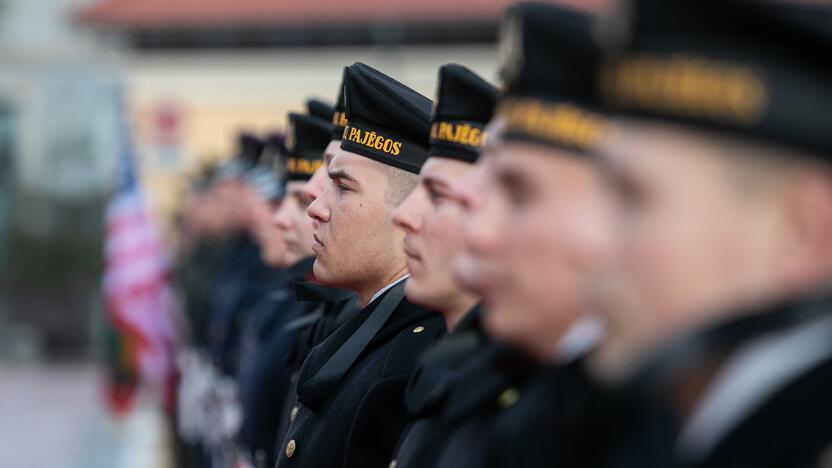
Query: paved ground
x,y
52,416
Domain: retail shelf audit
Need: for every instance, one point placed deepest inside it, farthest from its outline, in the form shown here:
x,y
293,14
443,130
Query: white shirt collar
x,y
581,337
384,289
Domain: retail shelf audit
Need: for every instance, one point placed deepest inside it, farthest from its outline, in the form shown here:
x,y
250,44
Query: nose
x,y
407,214
319,210
281,217
480,228
467,191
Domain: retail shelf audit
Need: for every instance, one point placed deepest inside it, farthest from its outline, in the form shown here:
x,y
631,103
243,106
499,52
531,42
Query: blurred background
x,y
171,82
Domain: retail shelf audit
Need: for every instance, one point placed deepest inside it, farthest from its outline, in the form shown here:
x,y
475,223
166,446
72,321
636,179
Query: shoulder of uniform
x,y
412,341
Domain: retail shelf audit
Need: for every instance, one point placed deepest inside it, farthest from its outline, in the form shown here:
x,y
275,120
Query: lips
x,y
410,252
317,246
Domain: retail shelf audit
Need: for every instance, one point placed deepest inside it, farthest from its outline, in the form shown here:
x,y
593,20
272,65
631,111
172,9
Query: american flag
x,y
136,285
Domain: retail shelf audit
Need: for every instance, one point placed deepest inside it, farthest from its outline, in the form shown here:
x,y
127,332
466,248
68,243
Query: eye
x,y
517,192
342,188
435,196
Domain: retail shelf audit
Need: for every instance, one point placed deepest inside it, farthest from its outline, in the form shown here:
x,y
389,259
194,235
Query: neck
x,y
367,292
456,312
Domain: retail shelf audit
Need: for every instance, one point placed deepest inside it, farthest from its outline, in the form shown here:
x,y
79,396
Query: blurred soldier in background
x,y
333,305
245,194
537,230
265,373
430,220
721,162
351,385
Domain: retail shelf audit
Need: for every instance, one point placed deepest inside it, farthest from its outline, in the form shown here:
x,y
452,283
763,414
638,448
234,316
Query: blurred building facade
x,y
58,88
192,74
197,72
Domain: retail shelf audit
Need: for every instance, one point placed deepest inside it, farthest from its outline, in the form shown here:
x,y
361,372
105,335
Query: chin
x,y
324,275
415,294
319,270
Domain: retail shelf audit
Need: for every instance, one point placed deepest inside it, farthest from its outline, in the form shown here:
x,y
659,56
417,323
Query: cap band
x,y
457,139
382,145
689,86
339,120
758,97
560,124
302,168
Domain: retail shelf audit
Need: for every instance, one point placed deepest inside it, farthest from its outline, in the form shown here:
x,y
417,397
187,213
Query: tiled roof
x,y
213,13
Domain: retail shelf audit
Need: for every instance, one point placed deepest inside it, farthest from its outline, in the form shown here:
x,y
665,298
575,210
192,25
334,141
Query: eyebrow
x,y
434,182
340,174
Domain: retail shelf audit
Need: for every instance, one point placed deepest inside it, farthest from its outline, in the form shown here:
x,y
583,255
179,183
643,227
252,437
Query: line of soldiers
x,y
622,257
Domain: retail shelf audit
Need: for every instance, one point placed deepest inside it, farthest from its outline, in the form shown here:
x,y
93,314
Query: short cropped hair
x,y
399,184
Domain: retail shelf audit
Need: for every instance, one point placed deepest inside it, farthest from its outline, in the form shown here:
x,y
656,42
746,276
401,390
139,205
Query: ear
x,y
809,203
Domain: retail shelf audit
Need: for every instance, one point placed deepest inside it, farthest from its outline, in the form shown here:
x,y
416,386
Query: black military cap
x,y
261,177
339,117
386,120
306,139
320,109
274,153
757,69
549,62
464,105
264,182
249,149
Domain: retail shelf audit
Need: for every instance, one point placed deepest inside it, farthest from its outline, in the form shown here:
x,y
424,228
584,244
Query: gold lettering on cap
x,y
560,123
302,166
687,86
339,119
372,140
460,133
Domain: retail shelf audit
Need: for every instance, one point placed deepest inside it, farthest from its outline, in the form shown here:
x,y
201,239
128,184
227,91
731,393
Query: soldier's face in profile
x,y
354,238
430,219
475,266
692,238
293,222
231,198
559,240
265,232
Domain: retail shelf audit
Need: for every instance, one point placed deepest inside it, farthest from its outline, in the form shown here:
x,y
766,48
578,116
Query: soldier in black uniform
x,y
265,383
333,305
429,216
313,133
351,385
721,157
244,277
538,234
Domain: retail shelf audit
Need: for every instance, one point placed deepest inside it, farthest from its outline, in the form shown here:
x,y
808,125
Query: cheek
x,y
442,236
350,220
485,230
304,226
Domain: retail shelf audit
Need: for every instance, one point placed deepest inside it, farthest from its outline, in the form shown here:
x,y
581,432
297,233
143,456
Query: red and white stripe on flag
x,y
136,281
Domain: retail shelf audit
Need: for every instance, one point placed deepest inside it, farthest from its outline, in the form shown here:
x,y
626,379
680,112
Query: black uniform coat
x,y
426,433
241,284
328,308
787,426
509,411
356,422
264,374
792,426
484,388
793,429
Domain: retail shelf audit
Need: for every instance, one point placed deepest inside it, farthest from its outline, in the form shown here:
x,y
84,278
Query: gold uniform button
x,y
290,448
508,397
419,329
293,414
392,464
